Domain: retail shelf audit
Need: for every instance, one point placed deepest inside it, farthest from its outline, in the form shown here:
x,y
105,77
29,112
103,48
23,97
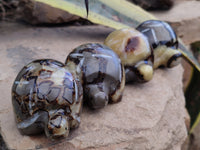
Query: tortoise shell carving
x,y
163,40
135,52
46,98
100,71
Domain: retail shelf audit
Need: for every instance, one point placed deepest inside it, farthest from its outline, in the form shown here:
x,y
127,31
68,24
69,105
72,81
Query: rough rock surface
x,y
150,115
39,13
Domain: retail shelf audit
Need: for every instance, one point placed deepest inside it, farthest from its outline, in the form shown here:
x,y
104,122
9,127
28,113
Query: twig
x,y
3,14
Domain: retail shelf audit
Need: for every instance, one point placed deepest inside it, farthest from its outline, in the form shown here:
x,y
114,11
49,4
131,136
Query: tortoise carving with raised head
x,y
100,71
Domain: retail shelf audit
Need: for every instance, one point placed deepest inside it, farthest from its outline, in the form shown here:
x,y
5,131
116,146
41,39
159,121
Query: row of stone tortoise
x,y
47,95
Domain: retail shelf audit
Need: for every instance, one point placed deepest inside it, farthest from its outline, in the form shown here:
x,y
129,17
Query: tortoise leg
x,y
142,72
35,124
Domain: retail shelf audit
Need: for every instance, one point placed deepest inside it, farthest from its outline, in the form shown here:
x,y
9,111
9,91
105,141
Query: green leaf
x,y
192,93
189,56
113,13
192,96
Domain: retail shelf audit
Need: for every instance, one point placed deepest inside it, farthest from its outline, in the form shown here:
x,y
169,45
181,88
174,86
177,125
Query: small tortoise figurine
x,y
155,43
134,50
163,40
46,97
100,71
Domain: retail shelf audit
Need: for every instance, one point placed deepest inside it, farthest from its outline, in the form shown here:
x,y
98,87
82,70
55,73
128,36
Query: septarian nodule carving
x,y
163,40
46,97
100,71
134,50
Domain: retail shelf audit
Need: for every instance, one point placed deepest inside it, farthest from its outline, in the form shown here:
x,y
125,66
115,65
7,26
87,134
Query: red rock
x,y
150,115
39,13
